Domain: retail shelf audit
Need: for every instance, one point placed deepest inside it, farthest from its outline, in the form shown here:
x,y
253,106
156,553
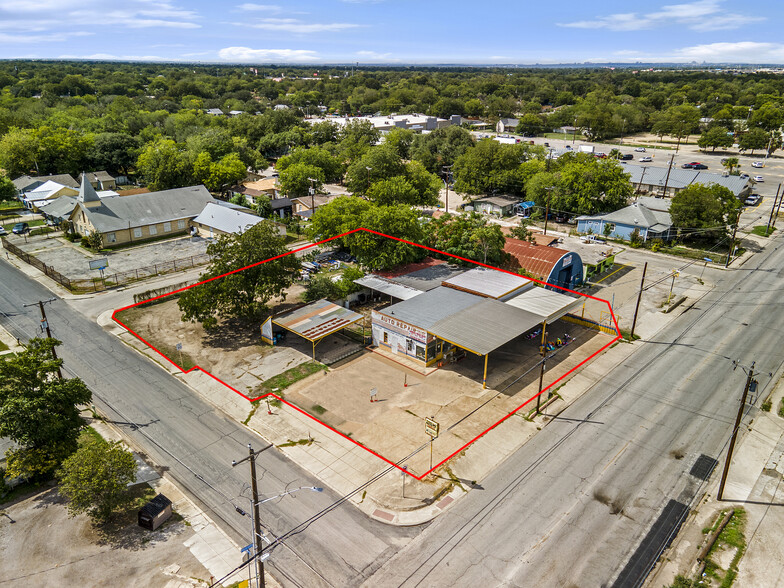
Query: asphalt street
x,y
572,506
196,444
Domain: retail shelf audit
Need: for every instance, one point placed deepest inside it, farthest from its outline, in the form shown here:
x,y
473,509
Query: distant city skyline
x,y
392,31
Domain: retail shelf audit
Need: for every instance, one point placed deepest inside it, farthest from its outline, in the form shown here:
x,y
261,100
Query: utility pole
x,y
256,520
312,195
667,179
642,175
772,210
735,430
543,351
639,297
547,207
45,325
732,241
778,209
445,170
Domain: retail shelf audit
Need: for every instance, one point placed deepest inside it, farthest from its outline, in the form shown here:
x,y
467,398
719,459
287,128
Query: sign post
x,y
179,348
373,394
405,469
431,428
99,264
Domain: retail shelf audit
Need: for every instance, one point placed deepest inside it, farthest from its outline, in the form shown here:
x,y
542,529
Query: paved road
x,y
572,506
197,443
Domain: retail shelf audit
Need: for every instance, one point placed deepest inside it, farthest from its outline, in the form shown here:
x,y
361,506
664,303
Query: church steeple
x,y
87,194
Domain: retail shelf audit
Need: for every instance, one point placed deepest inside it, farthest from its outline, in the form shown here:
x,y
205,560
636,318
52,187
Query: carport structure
x,y
314,321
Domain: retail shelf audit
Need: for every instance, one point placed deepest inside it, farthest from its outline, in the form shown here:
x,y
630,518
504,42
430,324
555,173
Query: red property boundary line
x,y
379,456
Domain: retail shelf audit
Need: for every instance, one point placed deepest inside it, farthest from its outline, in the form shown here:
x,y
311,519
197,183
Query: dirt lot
x,y
71,260
120,555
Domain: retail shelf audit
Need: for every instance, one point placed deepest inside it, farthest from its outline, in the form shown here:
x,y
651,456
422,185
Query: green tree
x,y
530,124
315,156
218,175
699,210
296,180
715,137
163,165
7,189
376,252
243,294
491,166
469,236
339,216
356,138
441,147
19,151
321,286
63,151
754,139
378,163
114,152
38,410
395,190
731,163
95,478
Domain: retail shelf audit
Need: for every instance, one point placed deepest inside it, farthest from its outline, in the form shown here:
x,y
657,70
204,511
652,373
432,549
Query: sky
x,y
394,31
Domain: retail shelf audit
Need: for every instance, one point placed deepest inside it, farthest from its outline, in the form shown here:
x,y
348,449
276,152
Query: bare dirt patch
x,y
44,547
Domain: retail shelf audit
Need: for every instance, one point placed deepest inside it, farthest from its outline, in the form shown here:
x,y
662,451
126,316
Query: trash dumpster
x,y
153,514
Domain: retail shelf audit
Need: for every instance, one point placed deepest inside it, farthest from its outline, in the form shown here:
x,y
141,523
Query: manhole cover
x,y
703,467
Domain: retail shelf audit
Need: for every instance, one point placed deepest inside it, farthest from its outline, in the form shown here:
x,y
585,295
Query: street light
x,y
368,178
312,195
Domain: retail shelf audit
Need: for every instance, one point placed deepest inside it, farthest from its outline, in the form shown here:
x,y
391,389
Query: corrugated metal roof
x,y
487,282
317,320
402,270
485,327
536,259
546,304
637,214
121,212
379,284
680,178
225,219
22,182
60,207
426,310
428,278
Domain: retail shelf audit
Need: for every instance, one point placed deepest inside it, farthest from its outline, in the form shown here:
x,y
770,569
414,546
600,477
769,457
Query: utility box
x,y
156,512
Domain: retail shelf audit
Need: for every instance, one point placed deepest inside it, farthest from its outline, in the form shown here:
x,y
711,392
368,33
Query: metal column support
x,y
484,377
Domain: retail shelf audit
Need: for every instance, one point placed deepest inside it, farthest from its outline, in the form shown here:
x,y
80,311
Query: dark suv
x,y
20,228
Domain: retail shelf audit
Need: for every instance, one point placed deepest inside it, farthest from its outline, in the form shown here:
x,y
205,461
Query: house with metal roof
x,y
127,219
649,216
28,183
216,220
552,265
652,180
46,192
500,205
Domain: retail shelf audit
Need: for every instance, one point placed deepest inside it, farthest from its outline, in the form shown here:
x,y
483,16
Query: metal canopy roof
x,y
426,310
546,304
387,287
487,282
485,326
316,320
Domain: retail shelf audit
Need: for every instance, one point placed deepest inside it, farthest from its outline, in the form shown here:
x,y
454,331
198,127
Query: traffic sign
x,y
431,427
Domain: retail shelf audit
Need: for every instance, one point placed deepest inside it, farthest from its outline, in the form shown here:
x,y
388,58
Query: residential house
x,y
102,180
415,122
500,205
305,206
506,125
649,216
127,219
652,180
215,220
45,193
28,183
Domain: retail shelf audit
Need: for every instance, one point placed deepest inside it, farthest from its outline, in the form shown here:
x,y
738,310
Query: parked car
x,y
627,156
752,200
3,231
568,147
640,149
20,228
757,164
744,176
694,165
759,179
646,158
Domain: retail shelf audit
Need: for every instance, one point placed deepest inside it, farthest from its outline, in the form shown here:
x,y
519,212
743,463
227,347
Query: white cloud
x,y
296,26
249,7
267,55
75,15
701,16
40,38
740,52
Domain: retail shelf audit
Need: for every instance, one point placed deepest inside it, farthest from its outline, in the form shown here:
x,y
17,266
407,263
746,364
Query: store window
x,y
137,233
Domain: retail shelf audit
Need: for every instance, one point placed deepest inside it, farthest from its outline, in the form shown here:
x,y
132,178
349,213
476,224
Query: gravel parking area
x,y
71,260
